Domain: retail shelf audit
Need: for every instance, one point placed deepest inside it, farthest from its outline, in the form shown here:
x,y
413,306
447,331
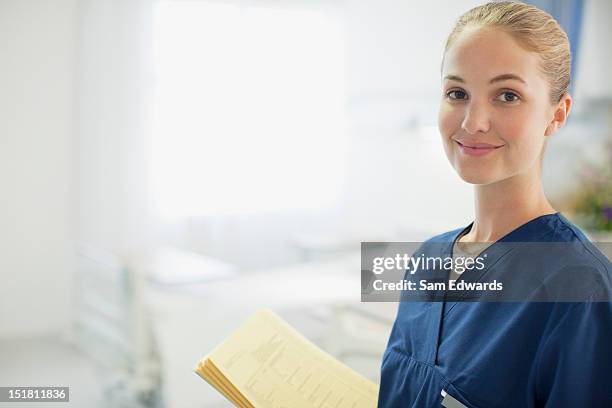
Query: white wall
x,y
113,92
595,53
396,46
37,46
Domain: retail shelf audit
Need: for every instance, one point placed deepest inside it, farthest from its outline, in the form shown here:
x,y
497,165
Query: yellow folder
x,y
266,363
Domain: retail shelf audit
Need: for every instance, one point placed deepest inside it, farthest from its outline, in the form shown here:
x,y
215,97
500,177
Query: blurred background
x,y
168,167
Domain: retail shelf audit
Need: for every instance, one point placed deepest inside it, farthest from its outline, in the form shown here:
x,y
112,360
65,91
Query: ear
x,y
560,114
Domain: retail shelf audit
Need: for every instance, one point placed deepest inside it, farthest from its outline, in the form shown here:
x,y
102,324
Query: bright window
x,y
249,109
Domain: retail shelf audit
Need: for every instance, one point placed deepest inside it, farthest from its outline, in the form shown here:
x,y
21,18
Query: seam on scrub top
x,y
594,255
584,245
432,366
588,249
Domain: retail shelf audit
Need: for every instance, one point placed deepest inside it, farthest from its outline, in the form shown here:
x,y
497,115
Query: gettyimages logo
x,y
411,264
513,271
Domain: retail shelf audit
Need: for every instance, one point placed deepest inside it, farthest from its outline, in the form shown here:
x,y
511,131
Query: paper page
x,y
274,366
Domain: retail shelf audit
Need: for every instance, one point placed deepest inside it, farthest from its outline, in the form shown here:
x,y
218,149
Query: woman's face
x,y
495,111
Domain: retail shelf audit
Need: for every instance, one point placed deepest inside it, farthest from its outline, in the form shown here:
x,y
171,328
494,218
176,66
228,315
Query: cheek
x,y
512,128
520,129
449,119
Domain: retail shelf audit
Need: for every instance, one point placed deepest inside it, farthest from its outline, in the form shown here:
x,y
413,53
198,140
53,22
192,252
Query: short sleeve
x,y
575,362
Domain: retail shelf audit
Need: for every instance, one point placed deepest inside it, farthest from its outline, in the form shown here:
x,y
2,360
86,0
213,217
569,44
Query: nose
x,y
476,118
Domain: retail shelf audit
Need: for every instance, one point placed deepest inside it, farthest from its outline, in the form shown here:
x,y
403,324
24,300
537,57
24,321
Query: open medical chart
x,y
266,363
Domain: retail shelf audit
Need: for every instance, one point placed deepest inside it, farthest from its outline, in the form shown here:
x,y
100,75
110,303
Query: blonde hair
x,y
534,29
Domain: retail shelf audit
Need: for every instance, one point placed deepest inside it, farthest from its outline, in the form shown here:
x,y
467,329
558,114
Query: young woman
x,y
505,78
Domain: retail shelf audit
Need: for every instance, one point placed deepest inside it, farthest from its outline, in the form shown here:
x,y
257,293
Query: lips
x,y
477,149
477,145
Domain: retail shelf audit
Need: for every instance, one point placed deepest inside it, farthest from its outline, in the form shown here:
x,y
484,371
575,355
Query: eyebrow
x,y
499,78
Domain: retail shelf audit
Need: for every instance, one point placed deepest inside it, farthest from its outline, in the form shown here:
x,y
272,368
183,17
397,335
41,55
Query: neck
x,y
503,206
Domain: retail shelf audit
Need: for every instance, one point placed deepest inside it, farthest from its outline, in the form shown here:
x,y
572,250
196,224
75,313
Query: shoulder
x,y
584,250
571,264
560,229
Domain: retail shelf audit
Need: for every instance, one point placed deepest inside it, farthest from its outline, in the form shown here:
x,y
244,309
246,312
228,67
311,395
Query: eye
x,y
508,96
456,94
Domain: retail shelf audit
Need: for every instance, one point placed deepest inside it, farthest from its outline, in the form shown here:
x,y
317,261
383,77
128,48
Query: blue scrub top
x,y
505,354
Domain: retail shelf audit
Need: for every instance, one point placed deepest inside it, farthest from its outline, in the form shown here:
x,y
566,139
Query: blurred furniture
x,y
317,247
112,326
148,318
320,299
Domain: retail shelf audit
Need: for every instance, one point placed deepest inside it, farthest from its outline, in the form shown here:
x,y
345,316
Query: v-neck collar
x,y
530,228
531,231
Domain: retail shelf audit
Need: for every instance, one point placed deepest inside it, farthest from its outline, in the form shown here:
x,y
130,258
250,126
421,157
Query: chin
x,y
476,180
476,177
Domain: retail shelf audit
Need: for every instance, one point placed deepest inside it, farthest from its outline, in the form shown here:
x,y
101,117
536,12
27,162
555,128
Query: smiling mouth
x,y
477,149
479,146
